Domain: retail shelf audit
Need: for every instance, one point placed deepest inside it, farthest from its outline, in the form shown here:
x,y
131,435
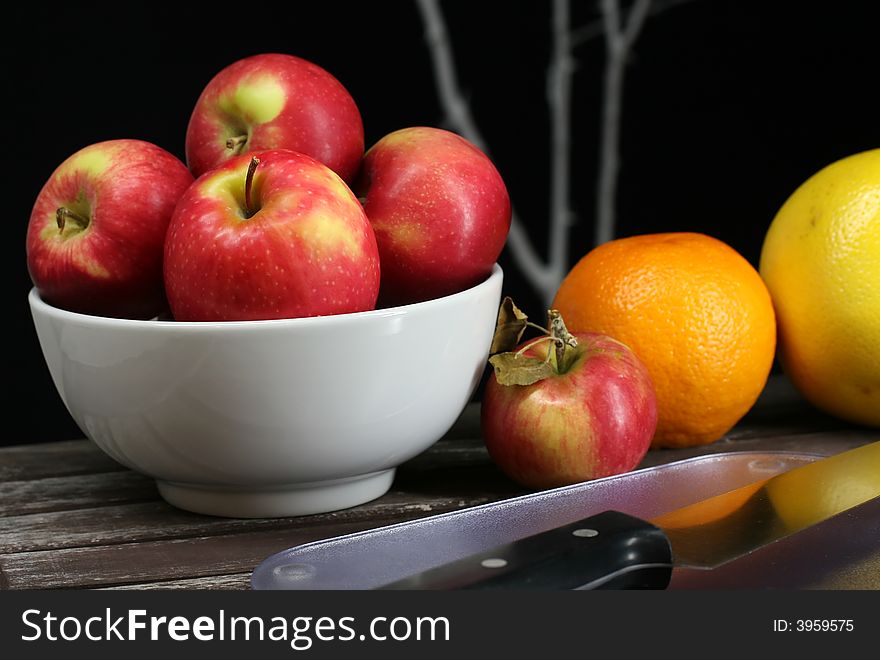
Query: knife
x,y
613,550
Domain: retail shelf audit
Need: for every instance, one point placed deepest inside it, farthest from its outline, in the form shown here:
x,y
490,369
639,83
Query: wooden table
x,y
72,517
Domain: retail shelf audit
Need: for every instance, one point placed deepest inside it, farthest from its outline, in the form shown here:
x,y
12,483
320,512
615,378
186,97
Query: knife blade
x,y
613,550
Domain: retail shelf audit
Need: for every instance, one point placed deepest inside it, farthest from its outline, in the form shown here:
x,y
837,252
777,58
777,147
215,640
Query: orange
x,y
708,511
697,314
821,263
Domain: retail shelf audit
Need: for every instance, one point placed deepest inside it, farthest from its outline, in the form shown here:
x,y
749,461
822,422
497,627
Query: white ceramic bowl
x,y
271,418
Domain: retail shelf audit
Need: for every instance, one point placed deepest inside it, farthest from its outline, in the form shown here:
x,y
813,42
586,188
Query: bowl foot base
x,y
282,501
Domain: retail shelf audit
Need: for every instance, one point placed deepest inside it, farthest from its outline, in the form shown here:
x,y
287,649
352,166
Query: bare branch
x,y
620,31
459,115
619,42
595,29
610,20
635,21
453,101
559,99
611,102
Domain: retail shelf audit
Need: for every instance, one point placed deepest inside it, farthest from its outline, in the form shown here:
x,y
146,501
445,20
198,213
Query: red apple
x,y
97,230
592,415
440,211
269,235
275,101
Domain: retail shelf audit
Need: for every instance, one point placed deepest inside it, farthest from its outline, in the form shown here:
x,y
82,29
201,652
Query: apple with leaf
x,y
565,407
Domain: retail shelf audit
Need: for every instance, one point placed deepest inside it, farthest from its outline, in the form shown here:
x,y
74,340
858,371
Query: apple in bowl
x,y
440,210
275,101
96,234
269,235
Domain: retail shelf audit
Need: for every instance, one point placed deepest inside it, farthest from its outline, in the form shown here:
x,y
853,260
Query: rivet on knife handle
x,y
607,550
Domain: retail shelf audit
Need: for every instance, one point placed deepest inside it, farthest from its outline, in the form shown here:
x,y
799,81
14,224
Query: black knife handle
x,y
610,550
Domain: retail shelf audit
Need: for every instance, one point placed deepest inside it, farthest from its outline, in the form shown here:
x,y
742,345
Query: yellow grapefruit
x,y
821,263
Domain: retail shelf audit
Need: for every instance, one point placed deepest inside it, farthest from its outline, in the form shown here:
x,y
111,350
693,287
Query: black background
x,y
729,106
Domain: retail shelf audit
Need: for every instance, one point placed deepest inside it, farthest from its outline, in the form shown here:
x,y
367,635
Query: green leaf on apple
x,y
517,369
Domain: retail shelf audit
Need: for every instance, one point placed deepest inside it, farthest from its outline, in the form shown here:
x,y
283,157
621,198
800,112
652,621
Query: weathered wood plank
x,y
233,582
53,459
158,520
177,559
75,492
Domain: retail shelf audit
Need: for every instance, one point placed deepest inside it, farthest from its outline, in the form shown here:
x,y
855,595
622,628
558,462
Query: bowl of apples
x,y
271,337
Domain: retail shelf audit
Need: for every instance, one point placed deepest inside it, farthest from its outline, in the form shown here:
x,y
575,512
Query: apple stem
x,y
248,184
236,143
563,338
63,214
559,335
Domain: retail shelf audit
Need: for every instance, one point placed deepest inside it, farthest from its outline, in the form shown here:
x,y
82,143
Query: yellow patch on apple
x,y
400,138
90,161
258,100
331,233
92,268
229,184
404,234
